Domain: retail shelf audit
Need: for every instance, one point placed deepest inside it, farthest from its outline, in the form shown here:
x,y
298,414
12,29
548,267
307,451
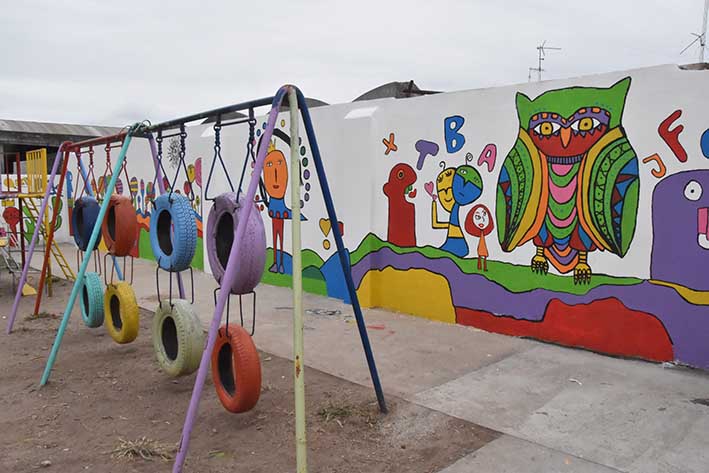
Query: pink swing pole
x,y
33,242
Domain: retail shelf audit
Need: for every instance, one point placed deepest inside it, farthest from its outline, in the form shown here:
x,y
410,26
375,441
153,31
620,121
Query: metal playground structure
x,y
238,242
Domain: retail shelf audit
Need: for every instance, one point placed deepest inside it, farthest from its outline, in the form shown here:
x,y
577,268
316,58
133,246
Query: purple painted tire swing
x,y
236,368
221,231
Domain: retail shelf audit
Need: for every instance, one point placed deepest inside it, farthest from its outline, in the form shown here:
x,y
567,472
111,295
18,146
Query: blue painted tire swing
x,y
83,220
177,333
173,232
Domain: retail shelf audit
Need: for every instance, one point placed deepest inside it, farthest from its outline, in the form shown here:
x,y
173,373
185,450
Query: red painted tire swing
x,y
236,367
120,226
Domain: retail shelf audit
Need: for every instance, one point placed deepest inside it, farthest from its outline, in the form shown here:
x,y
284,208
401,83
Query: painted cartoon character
x,y
12,217
454,188
570,183
275,177
479,223
401,229
680,230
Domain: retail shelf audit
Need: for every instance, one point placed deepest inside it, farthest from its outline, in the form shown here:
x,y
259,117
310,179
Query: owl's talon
x,y
540,265
582,274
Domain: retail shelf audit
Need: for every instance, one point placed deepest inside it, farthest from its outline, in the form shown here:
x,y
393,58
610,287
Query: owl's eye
x,y
547,128
585,124
693,190
463,172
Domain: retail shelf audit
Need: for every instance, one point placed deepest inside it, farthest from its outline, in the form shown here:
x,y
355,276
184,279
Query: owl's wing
x,y
609,187
522,194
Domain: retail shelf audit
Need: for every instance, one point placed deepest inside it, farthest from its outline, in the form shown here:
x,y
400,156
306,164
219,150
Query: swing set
x,y
236,247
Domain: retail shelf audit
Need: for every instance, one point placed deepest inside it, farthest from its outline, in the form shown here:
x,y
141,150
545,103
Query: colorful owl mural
x,y
570,183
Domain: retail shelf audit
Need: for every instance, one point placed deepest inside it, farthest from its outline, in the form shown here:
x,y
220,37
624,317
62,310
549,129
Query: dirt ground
x,y
102,393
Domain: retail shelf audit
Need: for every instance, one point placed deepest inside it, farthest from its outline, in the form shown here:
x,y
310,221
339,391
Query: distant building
x,y
22,136
397,90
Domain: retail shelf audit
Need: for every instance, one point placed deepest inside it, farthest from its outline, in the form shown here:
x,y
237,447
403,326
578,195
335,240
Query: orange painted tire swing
x,y
120,227
236,369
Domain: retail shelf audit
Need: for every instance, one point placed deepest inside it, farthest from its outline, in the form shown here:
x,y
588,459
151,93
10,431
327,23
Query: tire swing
x,y
173,232
120,230
221,231
236,368
178,338
120,226
92,300
83,219
121,312
84,213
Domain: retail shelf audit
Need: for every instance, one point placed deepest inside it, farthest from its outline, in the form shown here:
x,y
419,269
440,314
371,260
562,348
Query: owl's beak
x,y
565,136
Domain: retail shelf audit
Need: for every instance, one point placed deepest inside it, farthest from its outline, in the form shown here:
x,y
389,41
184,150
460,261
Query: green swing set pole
x,y
84,264
298,361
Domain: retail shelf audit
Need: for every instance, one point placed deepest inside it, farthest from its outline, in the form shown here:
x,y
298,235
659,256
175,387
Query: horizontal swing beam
x,y
101,140
176,123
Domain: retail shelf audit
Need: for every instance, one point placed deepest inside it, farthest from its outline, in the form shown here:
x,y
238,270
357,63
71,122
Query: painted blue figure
x,y
466,188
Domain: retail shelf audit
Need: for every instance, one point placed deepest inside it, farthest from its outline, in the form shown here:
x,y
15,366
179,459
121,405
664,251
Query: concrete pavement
x,y
560,409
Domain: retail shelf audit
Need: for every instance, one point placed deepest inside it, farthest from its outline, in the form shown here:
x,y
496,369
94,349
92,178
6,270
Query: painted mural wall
x,y
573,211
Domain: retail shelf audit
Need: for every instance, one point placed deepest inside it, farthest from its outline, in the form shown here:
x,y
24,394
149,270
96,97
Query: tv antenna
x,y
541,52
702,37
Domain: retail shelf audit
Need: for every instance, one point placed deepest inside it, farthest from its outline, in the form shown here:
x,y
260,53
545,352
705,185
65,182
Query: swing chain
x,y
183,146
217,156
249,151
158,140
217,139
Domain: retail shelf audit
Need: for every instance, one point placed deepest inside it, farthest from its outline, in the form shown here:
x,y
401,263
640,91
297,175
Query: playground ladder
x,y
54,248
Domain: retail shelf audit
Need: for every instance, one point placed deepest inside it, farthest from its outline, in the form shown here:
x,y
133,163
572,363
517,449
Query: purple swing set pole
x,y
161,187
229,275
33,242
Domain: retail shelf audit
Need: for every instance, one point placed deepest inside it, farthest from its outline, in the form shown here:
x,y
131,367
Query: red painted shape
x,y
671,137
402,222
605,326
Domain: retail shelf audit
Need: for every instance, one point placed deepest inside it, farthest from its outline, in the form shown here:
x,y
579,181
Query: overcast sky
x,y
110,63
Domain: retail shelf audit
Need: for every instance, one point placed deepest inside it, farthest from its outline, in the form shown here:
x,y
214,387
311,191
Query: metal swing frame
x,y
296,101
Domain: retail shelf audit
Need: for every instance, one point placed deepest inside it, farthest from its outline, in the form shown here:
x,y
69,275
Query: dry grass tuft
x,y
143,448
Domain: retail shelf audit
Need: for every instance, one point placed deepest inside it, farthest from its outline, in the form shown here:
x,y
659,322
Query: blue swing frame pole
x,y
84,264
341,250
90,192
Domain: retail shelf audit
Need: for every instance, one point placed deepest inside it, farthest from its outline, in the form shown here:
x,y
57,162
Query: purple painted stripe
x,y
686,323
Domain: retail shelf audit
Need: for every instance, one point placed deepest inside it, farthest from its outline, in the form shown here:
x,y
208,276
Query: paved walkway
x,y
560,409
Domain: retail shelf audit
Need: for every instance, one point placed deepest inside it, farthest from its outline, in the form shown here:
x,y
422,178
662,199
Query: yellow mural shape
x,y
690,295
325,226
416,291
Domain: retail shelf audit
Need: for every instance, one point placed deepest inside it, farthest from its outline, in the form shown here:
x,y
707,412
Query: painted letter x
x,y
389,144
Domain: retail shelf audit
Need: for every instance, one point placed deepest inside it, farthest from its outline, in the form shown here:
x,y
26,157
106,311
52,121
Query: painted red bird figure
x,y
402,214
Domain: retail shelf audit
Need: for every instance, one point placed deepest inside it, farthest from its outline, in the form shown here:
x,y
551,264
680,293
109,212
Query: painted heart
x,y
429,189
325,226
